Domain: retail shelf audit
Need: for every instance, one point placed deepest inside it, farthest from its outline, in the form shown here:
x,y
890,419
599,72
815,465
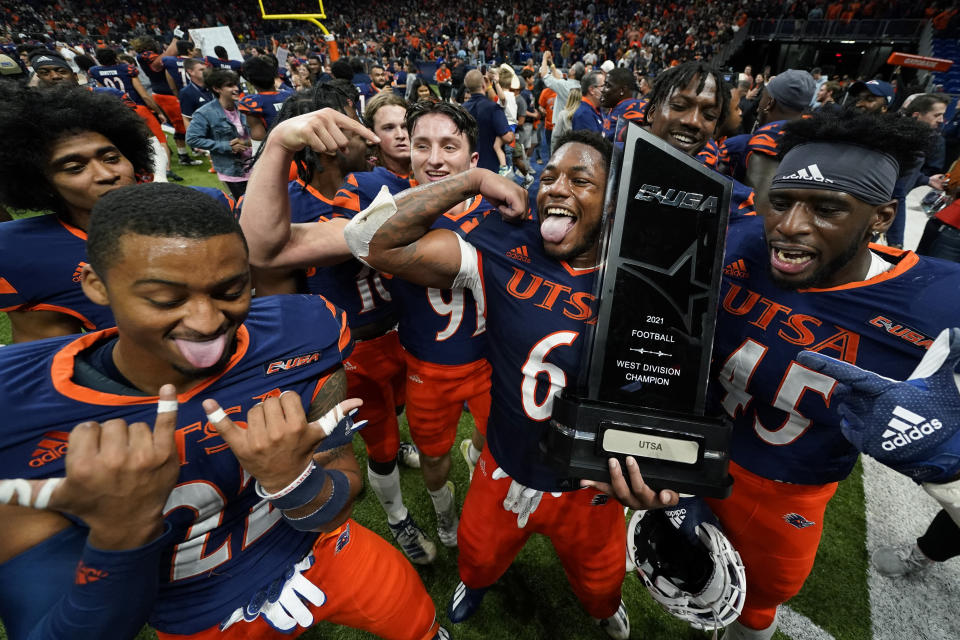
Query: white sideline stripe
x,y
800,627
920,607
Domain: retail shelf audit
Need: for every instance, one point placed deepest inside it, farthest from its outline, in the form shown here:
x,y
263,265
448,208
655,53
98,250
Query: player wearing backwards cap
x,y
805,276
314,242
255,537
784,98
538,281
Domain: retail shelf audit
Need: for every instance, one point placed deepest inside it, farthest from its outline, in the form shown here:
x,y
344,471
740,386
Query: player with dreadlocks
x,y
686,105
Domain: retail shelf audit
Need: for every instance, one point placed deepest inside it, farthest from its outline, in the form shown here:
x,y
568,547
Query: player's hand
x,y
162,117
118,478
277,442
520,500
322,131
937,182
510,199
912,426
641,496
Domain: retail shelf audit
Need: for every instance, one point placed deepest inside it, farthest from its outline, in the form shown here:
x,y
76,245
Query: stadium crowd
x,y
135,303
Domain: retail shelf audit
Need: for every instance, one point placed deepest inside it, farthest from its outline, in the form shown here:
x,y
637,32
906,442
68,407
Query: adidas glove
x,y
913,426
338,427
520,500
688,514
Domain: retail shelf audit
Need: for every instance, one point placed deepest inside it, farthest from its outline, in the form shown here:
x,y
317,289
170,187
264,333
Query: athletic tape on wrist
x,y
361,229
335,503
168,406
301,491
20,492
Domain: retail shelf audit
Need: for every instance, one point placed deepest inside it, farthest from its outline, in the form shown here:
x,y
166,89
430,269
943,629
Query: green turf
x,y
533,600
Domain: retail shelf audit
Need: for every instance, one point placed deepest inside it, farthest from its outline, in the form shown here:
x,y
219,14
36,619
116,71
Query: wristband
x,y
339,496
301,491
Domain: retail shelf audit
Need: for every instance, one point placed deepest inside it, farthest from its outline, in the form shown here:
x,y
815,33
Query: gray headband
x,y
866,174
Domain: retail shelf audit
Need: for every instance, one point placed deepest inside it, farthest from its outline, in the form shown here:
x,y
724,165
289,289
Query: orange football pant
x,y
171,107
776,528
375,373
368,583
435,397
585,527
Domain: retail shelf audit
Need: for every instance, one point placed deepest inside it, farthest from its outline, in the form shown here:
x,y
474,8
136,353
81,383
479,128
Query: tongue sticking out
x,y
202,354
554,228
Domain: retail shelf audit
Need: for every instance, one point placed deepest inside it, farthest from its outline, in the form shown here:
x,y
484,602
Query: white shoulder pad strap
x,y
365,224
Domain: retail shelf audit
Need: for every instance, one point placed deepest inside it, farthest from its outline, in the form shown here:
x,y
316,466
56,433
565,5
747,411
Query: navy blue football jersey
x,y
40,263
117,76
351,285
228,542
444,326
785,426
538,311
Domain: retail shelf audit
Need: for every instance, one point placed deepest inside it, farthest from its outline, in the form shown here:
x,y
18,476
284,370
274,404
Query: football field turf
x,y
842,599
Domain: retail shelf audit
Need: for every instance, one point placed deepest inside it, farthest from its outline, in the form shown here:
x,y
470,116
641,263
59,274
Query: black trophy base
x,y
685,454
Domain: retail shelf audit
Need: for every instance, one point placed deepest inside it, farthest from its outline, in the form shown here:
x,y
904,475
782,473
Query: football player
x,y
263,104
538,279
618,101
314,242
442,329
808,278
90,144
258,534
150,57
111,73
80,145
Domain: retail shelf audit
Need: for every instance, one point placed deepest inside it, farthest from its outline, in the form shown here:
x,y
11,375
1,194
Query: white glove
x,y
520,500
177,32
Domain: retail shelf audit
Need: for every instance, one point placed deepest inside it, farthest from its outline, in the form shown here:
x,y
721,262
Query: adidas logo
x,y
52,447
78,271
906,427
416,378
736,269
812,172
676,516
520,253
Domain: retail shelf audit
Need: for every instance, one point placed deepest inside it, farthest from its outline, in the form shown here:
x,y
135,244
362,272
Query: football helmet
x,y
687,564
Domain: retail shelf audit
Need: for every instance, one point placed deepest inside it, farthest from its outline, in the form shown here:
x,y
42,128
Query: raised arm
x,y
393,234
275,242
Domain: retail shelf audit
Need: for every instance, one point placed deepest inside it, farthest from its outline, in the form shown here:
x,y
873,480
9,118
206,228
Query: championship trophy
x,y
642,391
